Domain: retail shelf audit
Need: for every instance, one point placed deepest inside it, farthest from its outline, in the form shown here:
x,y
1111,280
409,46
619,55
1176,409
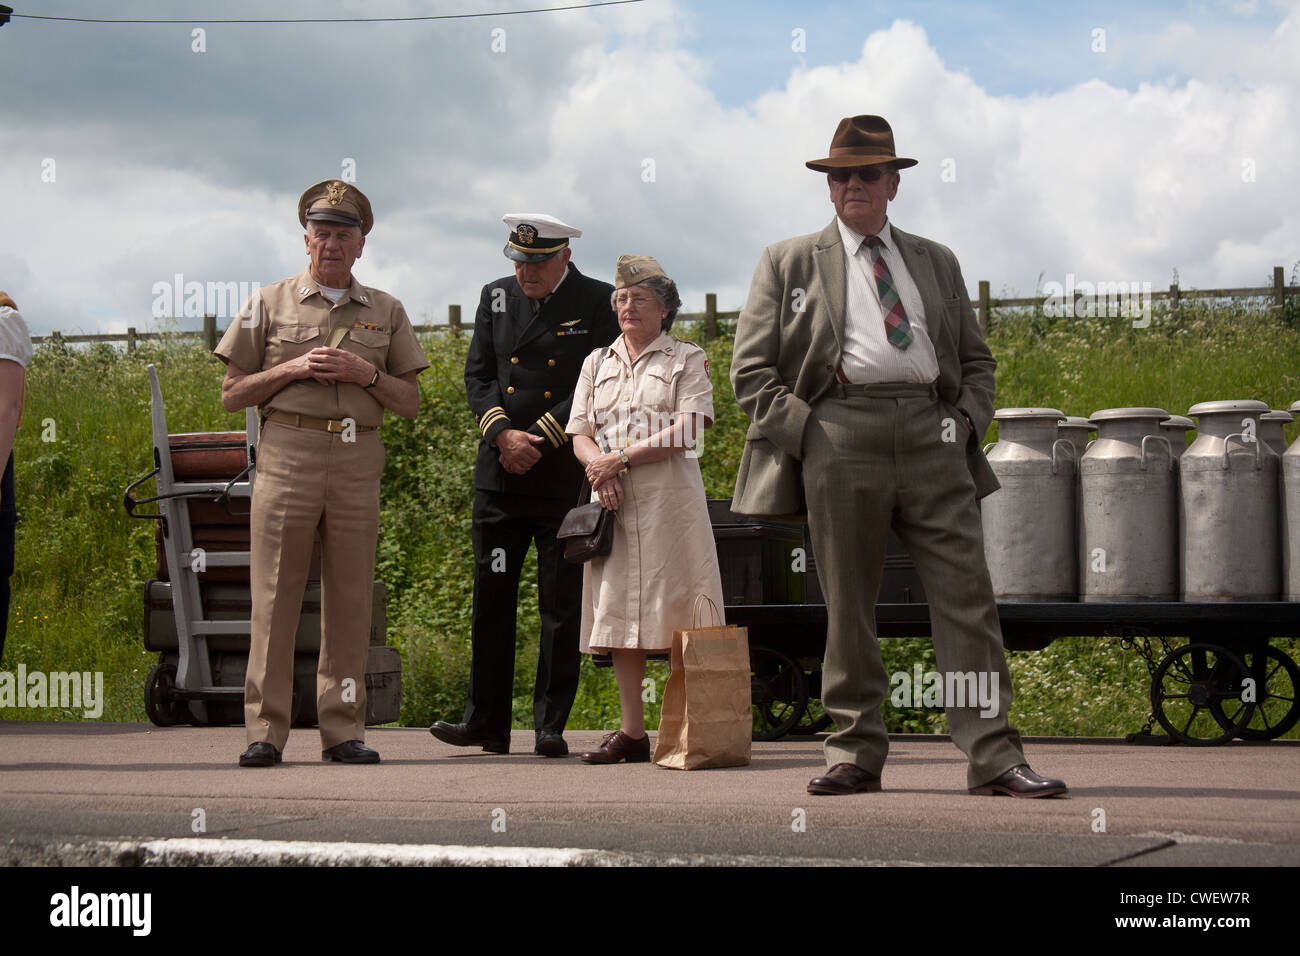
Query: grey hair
x,y
665,290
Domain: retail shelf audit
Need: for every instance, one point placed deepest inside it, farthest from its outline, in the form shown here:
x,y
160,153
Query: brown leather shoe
x,y
844,778
1021,782
619,746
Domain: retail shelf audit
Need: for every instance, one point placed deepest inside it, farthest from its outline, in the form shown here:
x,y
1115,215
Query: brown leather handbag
x,y
587,530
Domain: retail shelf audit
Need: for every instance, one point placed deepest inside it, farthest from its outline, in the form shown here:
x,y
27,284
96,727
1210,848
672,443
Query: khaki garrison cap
x,y
336,201
632,270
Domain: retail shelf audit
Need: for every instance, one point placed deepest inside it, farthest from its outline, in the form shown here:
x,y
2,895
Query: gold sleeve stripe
x,y
491,418
555,426
490,414
548,429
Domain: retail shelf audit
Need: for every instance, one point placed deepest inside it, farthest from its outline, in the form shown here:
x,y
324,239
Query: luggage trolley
x,y
181,692
198,617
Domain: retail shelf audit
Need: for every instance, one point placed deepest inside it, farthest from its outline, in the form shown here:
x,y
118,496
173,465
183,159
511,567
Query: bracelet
x,y
374,381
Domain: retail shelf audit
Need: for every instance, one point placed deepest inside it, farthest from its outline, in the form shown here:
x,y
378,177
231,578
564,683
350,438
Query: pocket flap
x,y
369,338
297,333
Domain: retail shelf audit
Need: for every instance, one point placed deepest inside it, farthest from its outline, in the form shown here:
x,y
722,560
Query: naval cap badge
x,y
527,234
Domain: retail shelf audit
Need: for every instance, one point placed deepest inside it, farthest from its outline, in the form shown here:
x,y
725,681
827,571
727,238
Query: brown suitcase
x,y
208,456
221,538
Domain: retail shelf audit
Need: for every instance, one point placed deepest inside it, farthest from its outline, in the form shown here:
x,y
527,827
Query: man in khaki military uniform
x,y
322,356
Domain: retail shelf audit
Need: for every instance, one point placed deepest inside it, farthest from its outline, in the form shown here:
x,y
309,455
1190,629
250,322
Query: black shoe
x,y
350,751
462,735
550,744
260,754
1021,782
844,778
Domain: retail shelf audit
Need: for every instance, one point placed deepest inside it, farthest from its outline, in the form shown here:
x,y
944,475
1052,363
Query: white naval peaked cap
x,y
535,236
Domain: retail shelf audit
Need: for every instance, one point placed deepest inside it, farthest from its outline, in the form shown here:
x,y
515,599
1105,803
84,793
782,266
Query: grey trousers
x,y
875,457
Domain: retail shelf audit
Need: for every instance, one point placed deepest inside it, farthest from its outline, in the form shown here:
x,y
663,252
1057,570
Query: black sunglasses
x,y
868,174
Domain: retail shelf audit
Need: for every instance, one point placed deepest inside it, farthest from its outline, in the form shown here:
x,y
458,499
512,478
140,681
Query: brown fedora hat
x,y
861,141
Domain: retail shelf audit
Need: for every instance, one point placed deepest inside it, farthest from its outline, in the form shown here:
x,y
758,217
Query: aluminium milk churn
x,y
1029,523
1230,535
1175,428
1129,514
1270,429
1291,517
1076,430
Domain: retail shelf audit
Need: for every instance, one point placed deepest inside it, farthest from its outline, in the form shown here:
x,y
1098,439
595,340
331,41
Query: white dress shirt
x,y
868,356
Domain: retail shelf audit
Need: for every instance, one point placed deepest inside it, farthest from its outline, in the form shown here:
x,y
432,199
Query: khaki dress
x,y
663,554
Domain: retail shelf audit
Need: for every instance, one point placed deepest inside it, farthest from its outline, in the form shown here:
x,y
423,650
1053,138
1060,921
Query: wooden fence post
x,y
1279,287
453,319
710,316
210,331
130,339
984,307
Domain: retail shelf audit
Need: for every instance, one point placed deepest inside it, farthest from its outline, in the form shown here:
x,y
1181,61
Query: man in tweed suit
x,y
859,362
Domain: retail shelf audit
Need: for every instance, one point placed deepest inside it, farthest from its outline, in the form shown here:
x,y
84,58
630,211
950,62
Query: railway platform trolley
x,y
1226,682
197,607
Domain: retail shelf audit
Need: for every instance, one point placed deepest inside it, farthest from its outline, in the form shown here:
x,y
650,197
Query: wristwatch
x,y
622,456
374,381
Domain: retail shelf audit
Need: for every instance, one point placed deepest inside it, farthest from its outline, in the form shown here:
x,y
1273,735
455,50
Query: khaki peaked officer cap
x,y
336,201
632,270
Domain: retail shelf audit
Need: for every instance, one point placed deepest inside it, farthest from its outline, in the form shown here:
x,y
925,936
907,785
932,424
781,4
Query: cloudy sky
x,y
1111,140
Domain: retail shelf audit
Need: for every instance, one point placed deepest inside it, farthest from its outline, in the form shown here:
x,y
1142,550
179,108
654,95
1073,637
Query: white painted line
x,y
311,853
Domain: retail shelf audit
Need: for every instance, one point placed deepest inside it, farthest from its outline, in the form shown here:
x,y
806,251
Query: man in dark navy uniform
x,y
531,333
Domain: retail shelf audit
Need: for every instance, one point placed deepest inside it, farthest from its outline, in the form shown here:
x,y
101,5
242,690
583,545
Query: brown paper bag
x,y
706,719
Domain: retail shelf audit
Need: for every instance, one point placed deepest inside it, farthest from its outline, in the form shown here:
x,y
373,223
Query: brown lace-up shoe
x,y
619,746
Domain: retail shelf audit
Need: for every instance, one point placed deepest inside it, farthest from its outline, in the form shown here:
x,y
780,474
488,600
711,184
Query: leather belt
x,y
332,425
891,389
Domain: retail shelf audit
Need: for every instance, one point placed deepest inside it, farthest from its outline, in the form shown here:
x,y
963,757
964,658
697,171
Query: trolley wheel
x,y
815,719
1187,688
778,691
1277,678
161,708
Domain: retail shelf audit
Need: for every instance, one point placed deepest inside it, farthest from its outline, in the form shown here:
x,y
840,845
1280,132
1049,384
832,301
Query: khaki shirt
x,y
627,404
291,317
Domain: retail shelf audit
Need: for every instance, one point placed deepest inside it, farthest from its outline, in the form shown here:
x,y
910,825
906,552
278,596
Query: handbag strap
x,y
584,493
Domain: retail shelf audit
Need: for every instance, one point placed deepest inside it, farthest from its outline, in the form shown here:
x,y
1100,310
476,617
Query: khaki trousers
x,y
308,480
875,457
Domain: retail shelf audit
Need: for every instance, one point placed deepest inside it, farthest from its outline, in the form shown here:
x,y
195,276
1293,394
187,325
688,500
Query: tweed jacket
x,y
789,341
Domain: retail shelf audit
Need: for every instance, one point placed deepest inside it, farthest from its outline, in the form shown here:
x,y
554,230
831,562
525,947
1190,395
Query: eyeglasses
x,y
635,301
868,174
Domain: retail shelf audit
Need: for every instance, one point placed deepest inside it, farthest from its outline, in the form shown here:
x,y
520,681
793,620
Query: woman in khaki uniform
x,y
636,408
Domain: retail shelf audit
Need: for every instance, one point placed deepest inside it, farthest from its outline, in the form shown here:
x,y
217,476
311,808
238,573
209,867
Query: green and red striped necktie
x,y
898,329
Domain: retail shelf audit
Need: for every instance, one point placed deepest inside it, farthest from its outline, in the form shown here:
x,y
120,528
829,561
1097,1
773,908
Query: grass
x,y
82,563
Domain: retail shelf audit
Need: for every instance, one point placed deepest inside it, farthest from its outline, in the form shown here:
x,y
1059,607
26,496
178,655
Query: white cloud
x,y
1094,179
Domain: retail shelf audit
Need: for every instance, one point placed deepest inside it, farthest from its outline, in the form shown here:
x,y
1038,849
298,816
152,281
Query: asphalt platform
x,y
134,794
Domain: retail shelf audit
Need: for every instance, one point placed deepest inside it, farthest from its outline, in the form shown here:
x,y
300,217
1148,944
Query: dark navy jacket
x,y
521,371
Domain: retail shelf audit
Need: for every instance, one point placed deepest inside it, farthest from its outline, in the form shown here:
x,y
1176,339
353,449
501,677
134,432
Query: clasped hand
x,y
603,472
330,366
